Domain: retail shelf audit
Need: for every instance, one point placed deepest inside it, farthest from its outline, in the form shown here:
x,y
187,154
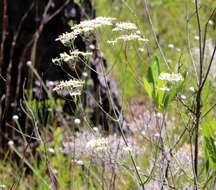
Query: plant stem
x,y
198,99
196,140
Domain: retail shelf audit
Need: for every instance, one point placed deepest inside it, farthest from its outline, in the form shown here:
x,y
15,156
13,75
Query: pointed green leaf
x,y
148,88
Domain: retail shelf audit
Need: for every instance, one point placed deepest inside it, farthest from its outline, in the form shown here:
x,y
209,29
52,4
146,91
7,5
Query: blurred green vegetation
x,y
173,21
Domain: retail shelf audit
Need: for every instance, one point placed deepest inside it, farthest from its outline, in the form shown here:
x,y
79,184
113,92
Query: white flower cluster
x,y
95,23
72,86
165,89
83,27
128,37
64,57
132,37
171,77
171,46
69,58
97,145
124,26
77,52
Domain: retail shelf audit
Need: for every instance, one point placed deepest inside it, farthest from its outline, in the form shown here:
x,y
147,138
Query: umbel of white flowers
x,y
99,144
124,26
73,87
171,77
84,27
70,58
89,26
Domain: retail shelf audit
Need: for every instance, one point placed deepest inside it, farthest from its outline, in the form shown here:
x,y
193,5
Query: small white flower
x,y
49,109
15,117
215,143
159,115
191,89
196,37
211,22
171,46
157,134
143,133
141,49
169,60
10,143
92,46
95,129
2,186
85,74
79,162
37,83
50,83
77,121
51,150
28,63
183,97
138,32
178,49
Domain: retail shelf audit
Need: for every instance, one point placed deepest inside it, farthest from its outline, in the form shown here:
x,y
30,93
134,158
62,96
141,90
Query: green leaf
x,y
209,146
152,82
148,88
150,77
166,100
207,128
154,72
210,151
161,84
58,137
169,96
155,68
156,98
